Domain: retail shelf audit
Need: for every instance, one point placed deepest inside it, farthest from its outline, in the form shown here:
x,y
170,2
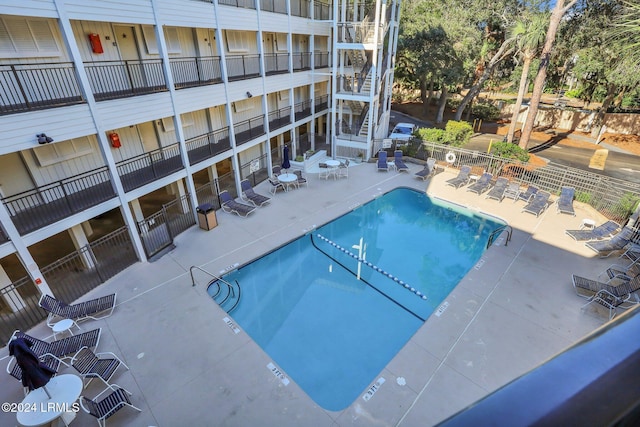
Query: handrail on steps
x,y
232,291
495,233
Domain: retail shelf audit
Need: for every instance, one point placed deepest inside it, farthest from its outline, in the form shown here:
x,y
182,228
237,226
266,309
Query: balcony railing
x,y
302,109
240,67
276,63
300,8
277,6
322,103
301,61
148,167
359,33
351,84
120,79
279,118
26,87
208,145
321,11
321,60
191,72
247,4
34,209
3,236
249,129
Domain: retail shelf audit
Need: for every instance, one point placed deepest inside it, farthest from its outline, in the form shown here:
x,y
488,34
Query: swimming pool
x,y
334,306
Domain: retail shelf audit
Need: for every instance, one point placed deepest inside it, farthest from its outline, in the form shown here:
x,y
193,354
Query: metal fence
x,y
613,198
69,278
117,79
196,71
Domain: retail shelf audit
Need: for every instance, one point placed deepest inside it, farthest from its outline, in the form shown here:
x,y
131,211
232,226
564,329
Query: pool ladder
x,y
495,233
227,294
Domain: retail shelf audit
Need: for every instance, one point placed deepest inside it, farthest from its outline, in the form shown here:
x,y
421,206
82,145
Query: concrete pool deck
x,y
189,366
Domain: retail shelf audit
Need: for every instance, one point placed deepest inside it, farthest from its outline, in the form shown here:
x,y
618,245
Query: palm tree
x,y
529,35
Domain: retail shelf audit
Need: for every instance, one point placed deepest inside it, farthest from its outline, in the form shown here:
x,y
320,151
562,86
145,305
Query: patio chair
x,y
497,192
275,186
538,204
482,184
399,162
229,205
343,169
617,243
92,365
251,196
462,178
632,252
618,271
564,204
602,231
619,287
612,302
276,170
430,169
325,171
382,161
111,403
300,179
512,191
97,308
528,194
59,349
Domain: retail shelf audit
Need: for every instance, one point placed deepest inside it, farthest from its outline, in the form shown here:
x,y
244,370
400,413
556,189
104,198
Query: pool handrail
x,y
216,278
497,231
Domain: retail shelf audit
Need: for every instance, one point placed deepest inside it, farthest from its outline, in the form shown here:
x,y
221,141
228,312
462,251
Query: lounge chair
x,y
632,252
482,184
616,243
528,194
102,409
251,196
602,231
95,309
92,365
461,179
497,192
231,206
512,191
300,179
400,164
382,161
538,204
59,349
619,287
564,204
612,302
430,169
618,271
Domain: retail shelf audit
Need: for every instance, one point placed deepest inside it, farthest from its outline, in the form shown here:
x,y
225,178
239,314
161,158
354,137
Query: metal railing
x,y
351,32
119,79
301,61
249,129
300,8
276,6
158,230
196,71
69,278
209,192
145,168
302,109
241,67
321,60
321,11
208,145
27,87
351,84
322,103
279,118
247,4
47,204
233,292
276,63
255,170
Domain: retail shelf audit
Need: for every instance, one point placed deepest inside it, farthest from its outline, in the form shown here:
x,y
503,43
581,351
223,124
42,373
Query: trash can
x,y
206,216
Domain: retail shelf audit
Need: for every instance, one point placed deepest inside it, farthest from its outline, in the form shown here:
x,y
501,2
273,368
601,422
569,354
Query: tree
x,y
554,22
529,35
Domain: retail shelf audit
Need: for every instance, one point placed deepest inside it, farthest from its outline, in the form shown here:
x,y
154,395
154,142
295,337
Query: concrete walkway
x,y
190,365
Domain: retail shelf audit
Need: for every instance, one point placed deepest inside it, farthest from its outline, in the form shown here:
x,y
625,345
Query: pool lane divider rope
x,y
367,263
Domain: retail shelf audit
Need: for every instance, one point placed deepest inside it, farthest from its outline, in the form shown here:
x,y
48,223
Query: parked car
x,y
403,131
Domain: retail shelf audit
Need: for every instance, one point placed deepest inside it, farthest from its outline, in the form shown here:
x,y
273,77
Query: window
x,y
170,36
27,37
168,123
237,41
281,42
60,151
240,106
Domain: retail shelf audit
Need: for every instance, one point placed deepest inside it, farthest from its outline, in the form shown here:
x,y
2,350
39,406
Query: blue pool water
x,y
333,330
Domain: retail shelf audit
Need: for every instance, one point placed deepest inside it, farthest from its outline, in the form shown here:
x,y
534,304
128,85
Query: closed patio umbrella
x,y
35,374
285,162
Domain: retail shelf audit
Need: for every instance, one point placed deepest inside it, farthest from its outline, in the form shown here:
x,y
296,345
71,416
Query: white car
x,y
403,131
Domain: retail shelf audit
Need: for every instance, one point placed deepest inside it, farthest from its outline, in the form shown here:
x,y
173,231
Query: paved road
x,y
618,164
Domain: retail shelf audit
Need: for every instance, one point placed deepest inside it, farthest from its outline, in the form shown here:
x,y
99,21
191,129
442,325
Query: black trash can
x,y
206,216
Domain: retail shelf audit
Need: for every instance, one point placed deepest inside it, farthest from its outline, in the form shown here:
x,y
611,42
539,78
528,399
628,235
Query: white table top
x,y
62,325
287,177
333,163
37,409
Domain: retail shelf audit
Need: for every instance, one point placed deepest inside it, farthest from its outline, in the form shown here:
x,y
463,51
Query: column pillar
x,y
11,297
80,240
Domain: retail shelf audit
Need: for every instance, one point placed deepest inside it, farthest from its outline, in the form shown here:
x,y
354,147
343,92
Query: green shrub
x,y
508,150
627,204
431,135
584,197
485,111
457,133
573,93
